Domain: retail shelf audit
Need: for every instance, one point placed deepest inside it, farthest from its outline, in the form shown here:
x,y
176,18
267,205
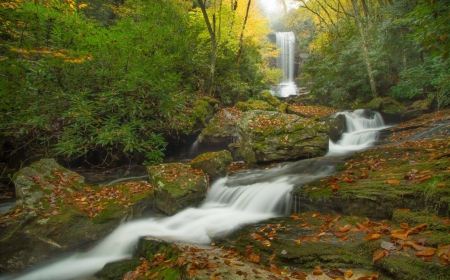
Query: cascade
x,y
363,128
243,198
285,61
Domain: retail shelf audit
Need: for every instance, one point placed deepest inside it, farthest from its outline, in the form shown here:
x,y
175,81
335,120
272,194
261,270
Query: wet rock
x,y
338,125
213,163
177,186
273,136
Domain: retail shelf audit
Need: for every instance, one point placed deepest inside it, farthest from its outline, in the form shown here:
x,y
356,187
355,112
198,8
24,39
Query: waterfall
x,y
285,62
240,199
363,128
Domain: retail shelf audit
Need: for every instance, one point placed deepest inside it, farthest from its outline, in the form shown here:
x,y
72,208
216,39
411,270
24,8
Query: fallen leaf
x,y
256,271
372,236
317,271
254,258
443,253
335,273
192,272
393,182
348,273
380,254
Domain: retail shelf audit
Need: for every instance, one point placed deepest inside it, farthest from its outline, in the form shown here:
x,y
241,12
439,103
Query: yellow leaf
x,y
81,6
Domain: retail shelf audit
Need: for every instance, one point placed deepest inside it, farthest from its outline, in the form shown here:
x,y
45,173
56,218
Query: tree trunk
x,y
212,34
365,50
241,39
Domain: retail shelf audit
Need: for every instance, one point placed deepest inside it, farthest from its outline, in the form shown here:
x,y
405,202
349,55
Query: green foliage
x,y
82,86
430,79
431,24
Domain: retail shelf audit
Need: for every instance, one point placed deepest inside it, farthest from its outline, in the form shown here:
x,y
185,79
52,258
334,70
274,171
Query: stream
x,y
243,198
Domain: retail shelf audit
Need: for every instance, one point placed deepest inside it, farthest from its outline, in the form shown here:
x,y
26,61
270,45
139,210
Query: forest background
x,y
108,79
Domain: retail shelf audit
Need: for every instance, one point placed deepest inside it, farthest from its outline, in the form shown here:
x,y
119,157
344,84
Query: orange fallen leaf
x,y
348,273
317,271
380,254
254,258
369,277
401,236
192,272
393,182
372,236
443,252
426,253
343,238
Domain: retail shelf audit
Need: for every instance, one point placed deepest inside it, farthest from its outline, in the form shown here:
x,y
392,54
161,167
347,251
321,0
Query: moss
x,y
268,97
283,107
253,104
409,268
374,104
116,270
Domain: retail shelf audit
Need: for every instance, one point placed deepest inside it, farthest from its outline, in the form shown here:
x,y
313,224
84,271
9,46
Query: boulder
x,y
162,259
221,130
213,163
29,181
273,136
390,109
338,125
177,186
417,109
56,213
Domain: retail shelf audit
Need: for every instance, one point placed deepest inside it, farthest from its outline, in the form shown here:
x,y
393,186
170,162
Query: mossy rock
x,y
273,136
147,250
254,104
177,186
268,97
425,104
66,216
213,163
199,114
221,128
29,181
390,109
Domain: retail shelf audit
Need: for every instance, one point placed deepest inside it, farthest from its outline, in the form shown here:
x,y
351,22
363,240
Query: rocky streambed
x,y
382,214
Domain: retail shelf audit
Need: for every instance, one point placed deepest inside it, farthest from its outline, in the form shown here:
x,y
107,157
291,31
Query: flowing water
x,y
286,62
244,198
363,128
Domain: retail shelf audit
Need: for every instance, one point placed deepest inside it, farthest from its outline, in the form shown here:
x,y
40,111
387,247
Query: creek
x,y
243,198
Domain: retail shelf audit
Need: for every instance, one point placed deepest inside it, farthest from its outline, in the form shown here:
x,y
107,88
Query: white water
x,y
258,195
361,132
285,62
